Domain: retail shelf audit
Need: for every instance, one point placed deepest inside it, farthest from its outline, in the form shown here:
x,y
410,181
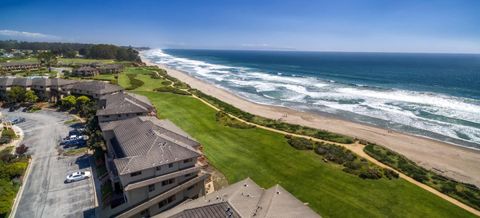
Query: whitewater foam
x,y
447,115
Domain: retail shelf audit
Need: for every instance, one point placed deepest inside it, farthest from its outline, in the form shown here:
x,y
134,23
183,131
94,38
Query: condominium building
x,y
243,199
123,105
55,89
152,165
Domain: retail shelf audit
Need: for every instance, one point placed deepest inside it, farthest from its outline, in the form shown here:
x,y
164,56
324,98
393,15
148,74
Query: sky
x,y
341,25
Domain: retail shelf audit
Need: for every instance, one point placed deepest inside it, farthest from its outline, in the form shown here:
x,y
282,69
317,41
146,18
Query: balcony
x,y
149,202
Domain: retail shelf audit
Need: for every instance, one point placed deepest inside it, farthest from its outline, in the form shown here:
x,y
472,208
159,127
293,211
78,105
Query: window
x,y
145,213
170,165
151,188
188,174
190,188
166,201
158,168
168,182
187,160
136,173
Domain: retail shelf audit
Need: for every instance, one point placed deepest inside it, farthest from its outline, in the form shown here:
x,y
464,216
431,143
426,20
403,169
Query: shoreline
x,y
455,161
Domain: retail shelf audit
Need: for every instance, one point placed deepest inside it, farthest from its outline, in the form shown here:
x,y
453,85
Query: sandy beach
x,y
457,162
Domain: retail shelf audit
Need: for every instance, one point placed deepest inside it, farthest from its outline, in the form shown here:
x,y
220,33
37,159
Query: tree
x,y
83,105
68,102
22,149
47,59
70,54
30,97
16,95
82,100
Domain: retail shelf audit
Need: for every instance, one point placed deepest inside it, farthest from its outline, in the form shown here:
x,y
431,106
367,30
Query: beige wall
x,y
196,190
153,172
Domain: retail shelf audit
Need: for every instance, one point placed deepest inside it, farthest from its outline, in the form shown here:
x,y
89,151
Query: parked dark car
x,y
18,120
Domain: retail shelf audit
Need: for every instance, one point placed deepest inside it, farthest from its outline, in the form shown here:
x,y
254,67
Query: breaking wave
x,y
429,114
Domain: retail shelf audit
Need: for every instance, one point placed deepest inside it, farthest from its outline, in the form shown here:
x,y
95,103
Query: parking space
x,y
45,193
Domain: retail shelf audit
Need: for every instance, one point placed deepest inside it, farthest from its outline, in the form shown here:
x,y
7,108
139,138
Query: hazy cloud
x,y
263,46
21,34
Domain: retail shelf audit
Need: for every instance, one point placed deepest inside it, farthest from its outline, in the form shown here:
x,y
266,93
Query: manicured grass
x,y
142,74
267,158
84,61
109,77
23,60
73,152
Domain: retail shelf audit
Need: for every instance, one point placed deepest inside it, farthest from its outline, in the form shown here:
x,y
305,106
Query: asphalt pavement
x,y
45,193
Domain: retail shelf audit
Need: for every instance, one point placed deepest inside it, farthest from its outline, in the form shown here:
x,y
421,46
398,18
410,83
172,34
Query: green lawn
x,y
268,159
110,77
23,60
142,74
84,61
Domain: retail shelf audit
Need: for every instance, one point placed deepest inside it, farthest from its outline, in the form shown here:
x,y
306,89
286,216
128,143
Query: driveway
x,y
45,194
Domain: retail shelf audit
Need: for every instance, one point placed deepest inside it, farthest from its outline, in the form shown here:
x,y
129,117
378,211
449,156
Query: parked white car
x,y
77,176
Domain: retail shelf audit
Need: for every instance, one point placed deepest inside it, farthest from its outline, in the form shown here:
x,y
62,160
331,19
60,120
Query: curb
x,y
20,191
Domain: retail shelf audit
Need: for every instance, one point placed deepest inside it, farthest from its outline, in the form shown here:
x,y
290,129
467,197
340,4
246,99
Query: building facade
x,y
152,165
122,105
55,89
18,66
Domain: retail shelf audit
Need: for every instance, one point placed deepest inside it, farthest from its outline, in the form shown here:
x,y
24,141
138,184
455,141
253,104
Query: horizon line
x,y
256,49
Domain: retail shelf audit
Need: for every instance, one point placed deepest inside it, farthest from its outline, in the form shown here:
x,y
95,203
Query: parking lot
x,y
45,193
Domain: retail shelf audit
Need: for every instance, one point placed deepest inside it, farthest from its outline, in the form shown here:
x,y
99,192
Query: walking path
x,y
357,148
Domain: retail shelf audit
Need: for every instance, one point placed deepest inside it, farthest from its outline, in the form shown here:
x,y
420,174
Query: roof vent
x,y
278,192
245,185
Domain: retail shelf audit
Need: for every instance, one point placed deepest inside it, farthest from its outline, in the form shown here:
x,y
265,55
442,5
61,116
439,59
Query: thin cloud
x,y
263,46
22,34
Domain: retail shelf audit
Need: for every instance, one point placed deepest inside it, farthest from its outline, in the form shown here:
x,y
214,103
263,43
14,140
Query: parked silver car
x,y
77,176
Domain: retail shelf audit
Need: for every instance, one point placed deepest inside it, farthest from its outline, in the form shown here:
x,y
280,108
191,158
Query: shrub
x,y
226,120
390,174
166,83
371,173
134,82
300,143
172,90
466,193
7,135
22,149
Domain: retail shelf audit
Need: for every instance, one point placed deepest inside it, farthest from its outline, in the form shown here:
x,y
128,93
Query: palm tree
x,y
47,59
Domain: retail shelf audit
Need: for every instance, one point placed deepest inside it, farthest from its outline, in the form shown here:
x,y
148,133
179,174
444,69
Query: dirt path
x,y
357,148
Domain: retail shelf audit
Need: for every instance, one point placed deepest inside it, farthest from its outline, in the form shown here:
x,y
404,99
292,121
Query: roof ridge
x,y
126,165
133,102
270,200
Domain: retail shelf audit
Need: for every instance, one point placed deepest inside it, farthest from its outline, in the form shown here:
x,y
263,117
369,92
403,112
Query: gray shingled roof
x,y
85,69
6,81
218,210
146,145
96,87
6,64
41,82
122,103
23,82
248,200
62,82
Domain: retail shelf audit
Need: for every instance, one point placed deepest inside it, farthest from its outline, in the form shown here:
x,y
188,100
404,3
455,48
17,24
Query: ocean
x,y
432,95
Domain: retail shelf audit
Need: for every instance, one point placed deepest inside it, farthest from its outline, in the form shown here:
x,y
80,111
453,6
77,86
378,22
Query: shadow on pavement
x,y
83,161
90,213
